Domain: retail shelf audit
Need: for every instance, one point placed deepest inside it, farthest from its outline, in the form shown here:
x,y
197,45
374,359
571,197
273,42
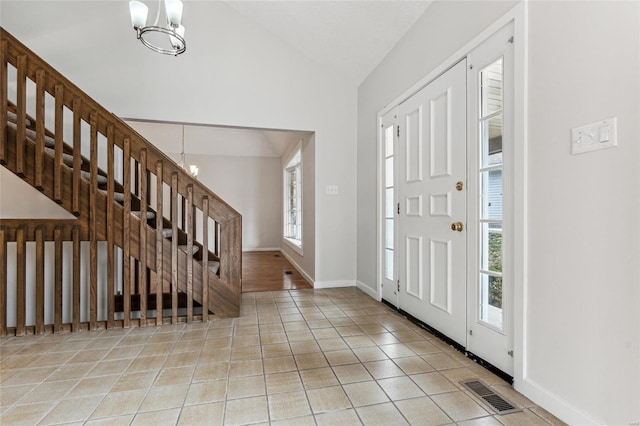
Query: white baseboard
x,y
554,404
371,292
298,268
245,249
334,284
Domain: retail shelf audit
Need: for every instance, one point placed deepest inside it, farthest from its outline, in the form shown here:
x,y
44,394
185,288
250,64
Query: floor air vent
x,y
495,401
288,272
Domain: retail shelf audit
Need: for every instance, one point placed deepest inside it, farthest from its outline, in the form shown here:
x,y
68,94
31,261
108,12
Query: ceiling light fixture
x,y
174,28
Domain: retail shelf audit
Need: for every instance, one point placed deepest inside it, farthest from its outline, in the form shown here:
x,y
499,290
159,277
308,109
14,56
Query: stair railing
x,y
144,174
39,231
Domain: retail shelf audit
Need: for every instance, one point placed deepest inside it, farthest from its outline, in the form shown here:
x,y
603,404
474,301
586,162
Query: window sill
x,y
296,245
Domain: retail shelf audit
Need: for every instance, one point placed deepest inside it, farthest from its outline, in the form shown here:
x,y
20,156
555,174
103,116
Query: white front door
x,y
431,158
490,197
446,250
388,197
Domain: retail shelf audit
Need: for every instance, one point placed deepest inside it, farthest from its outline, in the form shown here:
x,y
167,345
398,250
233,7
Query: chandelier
x,y
174,29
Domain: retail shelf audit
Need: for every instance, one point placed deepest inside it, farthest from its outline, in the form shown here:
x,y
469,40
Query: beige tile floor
x,y
300,357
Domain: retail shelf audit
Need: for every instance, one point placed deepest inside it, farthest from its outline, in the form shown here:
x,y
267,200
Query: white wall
x,y
19,199
583,269
252,186
584,255
233,73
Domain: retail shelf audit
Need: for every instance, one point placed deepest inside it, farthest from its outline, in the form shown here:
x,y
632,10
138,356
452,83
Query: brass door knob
x,y
459,185
458,226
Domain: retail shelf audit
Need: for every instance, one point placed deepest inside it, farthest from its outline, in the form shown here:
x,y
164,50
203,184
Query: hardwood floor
x,y
269,271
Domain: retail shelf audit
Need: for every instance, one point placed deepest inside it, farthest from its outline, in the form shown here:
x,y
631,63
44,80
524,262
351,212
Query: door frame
x,y
519,16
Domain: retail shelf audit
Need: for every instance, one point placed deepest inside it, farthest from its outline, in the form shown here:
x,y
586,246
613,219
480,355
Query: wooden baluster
x,y
40,82
126,234
110,225
75,235
21,279
93,224
189,253
142,250
205,258
22,114
174,248
77,151
3,103
3,277
231,248
159,243
39,281
59,123
57,293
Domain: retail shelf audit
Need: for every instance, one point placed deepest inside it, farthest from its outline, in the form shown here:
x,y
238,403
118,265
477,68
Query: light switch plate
x,y
331,190
595,136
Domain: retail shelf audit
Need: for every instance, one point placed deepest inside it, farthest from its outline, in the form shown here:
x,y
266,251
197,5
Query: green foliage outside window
x,y
495,264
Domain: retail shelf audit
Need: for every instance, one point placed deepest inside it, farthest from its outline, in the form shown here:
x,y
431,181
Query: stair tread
x,y
167,232
214,266
117,196
31,134
87,175
12,117
66,158
184,248
150,215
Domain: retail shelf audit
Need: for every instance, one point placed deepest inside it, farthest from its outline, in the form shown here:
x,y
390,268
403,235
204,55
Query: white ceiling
x,y
349,36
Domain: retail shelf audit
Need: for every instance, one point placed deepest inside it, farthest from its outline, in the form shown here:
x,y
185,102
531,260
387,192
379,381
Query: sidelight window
x,y
490,124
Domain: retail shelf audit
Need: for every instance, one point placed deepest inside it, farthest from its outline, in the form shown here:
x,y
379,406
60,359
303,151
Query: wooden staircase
x,y
173,247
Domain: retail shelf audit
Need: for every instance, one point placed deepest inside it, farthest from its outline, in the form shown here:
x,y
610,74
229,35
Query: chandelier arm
x,y
174,52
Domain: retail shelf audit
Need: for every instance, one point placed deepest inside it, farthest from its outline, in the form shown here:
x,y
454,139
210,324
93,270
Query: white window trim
x,y
295,245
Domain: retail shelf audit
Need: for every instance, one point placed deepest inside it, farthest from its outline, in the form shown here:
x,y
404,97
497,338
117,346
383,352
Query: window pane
x,y
491,88
388,141
388,264
389,233
388,203
491,300
491,245
388,172
492,142
491,195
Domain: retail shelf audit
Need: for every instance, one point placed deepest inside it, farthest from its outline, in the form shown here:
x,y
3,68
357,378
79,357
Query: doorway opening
x,y
246,167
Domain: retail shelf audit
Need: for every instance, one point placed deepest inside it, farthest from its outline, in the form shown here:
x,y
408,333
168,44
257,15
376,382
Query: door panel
x,y
441,268
414,278
433,257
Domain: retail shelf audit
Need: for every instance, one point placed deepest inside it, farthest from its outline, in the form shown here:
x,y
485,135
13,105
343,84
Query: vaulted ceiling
x,y
347,37
352,37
